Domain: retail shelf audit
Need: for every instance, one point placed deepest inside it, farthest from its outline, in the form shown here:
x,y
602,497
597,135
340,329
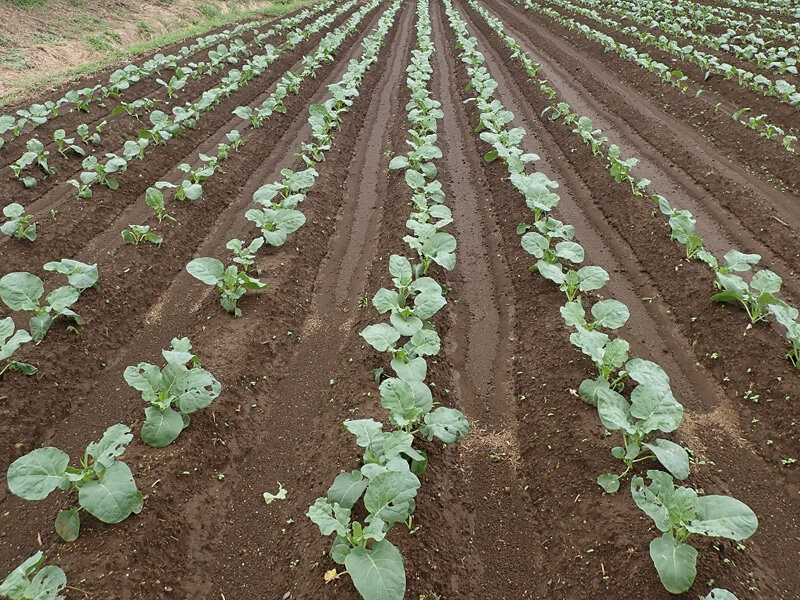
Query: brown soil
x,y
511,513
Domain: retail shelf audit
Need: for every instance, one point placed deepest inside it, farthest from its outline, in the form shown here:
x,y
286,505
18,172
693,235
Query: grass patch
x,y
144,28
99,43
208,10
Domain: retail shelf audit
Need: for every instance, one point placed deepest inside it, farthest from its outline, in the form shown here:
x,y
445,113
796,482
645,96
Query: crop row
x,y
105,484
759,297
387,482
780,89
749,48
122,79
632,396
277,214
667,74
165,127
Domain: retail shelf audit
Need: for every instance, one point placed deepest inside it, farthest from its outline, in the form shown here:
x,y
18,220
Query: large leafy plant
x,y
19,225
106,489
172,393
32,581
679,513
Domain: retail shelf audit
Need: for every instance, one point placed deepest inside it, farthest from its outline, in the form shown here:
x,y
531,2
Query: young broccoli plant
x,y
102,171
136,234
620,170
245,255
538,244
32,581
756,297
173,392
79,275
652,408
63,143
679,513
88,138
154,198
10,341
132,108
106,489
276,224
231,281
135,149
19,224
185,191
22,291
84,186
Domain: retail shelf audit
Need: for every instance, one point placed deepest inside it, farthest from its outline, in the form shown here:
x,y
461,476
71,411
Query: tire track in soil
x,y
611,110
123,296
746,473
500,551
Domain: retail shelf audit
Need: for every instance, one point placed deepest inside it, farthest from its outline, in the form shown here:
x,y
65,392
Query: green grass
x,y
128,53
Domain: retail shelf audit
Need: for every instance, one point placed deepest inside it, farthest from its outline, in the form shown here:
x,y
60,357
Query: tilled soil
x,y
513,511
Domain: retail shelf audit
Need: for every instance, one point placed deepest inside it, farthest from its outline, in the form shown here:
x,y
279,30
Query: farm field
x,y
422,299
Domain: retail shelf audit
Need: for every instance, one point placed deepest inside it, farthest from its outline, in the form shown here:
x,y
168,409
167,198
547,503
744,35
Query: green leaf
x,y
112,445
413,370
208,270
406,401
400,268
21,291
329,517
674,458
655,407
195,389
47,583
40,325
68,525
17,582
145,378
390,496
720,594
609,482
448,425
161,428
675,562
425,342
615,412
112,498
380,336
377,572
35,475
723,516
610,314
347,489
367,431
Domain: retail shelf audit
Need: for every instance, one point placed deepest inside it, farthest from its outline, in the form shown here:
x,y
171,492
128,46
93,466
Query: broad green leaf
x,y
21,291
367,431
181,352
18,581
8,346
592,390
407,326
738,261
766,282
610,314
61,298
645,371
329,517
723,516
40,325
385,300
347,488
80,275
112,445
427,305
592,278
571,251
675,562
68,525
448,425
35,475
161,428
400,268
145,378
208,270
47,583
425,342
339,550
413,370
674,458
551,272
656,408
390,496
615,412
112,498
406,401
380,336
195,389
377,572
573,313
